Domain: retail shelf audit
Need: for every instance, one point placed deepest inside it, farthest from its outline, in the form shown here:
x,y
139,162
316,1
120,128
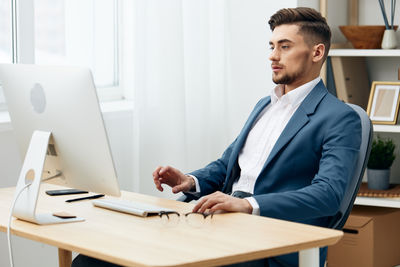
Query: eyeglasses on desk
x,y
195,219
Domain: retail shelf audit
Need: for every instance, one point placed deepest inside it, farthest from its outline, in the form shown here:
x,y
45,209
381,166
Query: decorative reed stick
x,y
393,10
382,5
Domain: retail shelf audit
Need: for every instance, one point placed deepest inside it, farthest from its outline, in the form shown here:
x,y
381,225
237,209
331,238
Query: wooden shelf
x,y
378,202
364,52
386,128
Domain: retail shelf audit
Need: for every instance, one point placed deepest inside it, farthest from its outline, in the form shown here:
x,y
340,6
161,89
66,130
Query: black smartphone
x,y
61,192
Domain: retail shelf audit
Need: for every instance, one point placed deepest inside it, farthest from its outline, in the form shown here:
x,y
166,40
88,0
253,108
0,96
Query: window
x,y
5,39
84,33
6,33
66,32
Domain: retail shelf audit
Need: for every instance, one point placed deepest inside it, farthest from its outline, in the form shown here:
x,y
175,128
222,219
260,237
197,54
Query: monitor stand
x,y
26,198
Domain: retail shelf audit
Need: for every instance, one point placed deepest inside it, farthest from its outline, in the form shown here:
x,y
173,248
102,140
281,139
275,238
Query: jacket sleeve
x,y
323,196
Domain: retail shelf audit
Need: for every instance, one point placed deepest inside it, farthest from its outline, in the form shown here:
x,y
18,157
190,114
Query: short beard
x,y
286,79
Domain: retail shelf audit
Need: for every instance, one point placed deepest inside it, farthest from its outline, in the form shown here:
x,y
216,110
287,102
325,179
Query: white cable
x,y
9,225
10,254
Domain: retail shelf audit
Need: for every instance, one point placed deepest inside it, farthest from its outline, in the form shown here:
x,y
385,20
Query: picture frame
x,y
383,103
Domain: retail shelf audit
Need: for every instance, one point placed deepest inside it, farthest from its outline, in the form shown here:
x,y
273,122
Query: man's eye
x,y
271,48
285,46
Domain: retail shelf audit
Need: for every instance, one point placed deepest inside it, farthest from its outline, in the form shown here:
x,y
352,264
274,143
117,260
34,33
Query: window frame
x,y
23,50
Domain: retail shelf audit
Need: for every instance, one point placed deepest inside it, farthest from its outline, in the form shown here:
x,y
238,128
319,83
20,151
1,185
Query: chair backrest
x,y
363,155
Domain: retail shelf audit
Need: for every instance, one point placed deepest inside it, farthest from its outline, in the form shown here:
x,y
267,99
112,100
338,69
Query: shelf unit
x,y
378,202
387,128
370,201
364,53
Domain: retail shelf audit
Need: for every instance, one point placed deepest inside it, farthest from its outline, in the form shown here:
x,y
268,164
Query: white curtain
x,y
180,86
200,67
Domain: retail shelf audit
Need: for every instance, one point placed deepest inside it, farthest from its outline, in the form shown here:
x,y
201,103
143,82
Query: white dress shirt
x,y
262,137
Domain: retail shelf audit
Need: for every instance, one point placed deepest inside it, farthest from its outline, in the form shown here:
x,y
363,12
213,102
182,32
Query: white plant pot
x,y
378,179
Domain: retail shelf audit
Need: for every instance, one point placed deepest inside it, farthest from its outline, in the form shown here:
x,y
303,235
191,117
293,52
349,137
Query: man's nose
x,y
274,56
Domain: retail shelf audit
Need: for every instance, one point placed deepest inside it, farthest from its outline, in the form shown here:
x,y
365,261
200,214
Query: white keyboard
x,y
128,206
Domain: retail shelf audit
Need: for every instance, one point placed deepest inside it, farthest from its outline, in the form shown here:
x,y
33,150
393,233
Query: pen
x,y
83,198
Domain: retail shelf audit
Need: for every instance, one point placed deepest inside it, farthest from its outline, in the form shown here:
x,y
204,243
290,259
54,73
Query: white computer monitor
x,y
62,101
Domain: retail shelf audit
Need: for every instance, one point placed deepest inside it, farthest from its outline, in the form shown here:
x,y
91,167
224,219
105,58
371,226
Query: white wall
x,y
10,160
250,73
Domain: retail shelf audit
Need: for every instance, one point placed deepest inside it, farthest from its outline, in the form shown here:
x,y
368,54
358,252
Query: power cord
x,y
9,225
10,254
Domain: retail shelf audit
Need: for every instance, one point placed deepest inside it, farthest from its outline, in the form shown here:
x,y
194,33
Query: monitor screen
x,y
63,101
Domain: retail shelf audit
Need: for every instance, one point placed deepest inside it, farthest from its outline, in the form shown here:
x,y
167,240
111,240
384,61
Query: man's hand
x,y
172,177
219,201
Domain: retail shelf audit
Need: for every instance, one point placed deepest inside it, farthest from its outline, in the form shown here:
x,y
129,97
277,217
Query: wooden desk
x,y
135,241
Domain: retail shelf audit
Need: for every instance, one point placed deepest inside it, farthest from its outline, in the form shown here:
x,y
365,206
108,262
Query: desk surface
x,y
130,240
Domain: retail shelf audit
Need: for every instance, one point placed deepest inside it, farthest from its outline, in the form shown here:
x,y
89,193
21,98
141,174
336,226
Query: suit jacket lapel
x,y
241,139
298,120
247,127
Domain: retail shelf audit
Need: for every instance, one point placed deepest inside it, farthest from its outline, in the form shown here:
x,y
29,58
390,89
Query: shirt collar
x,y
294,97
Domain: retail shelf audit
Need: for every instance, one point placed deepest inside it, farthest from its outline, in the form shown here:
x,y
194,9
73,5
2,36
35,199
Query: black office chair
x,y
346,206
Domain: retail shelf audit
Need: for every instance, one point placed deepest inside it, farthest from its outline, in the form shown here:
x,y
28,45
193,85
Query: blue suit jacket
x,y
307,171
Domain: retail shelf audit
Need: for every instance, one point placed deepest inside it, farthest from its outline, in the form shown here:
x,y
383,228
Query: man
x,y
296,152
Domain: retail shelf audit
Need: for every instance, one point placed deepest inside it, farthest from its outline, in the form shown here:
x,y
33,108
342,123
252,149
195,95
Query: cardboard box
x,y
371,239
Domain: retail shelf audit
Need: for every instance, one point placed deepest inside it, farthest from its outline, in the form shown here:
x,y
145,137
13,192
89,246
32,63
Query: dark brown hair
x,y
311,24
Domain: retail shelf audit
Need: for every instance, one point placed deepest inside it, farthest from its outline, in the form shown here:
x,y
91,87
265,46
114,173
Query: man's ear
x,y
318,52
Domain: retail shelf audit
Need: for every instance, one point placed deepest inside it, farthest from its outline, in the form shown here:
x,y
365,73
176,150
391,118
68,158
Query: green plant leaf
x,y
382,154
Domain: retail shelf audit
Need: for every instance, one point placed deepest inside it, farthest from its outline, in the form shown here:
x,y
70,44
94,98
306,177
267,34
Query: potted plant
x,y
379,163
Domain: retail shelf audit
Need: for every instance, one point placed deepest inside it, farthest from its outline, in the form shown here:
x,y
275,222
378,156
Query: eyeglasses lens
x,y
169,219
